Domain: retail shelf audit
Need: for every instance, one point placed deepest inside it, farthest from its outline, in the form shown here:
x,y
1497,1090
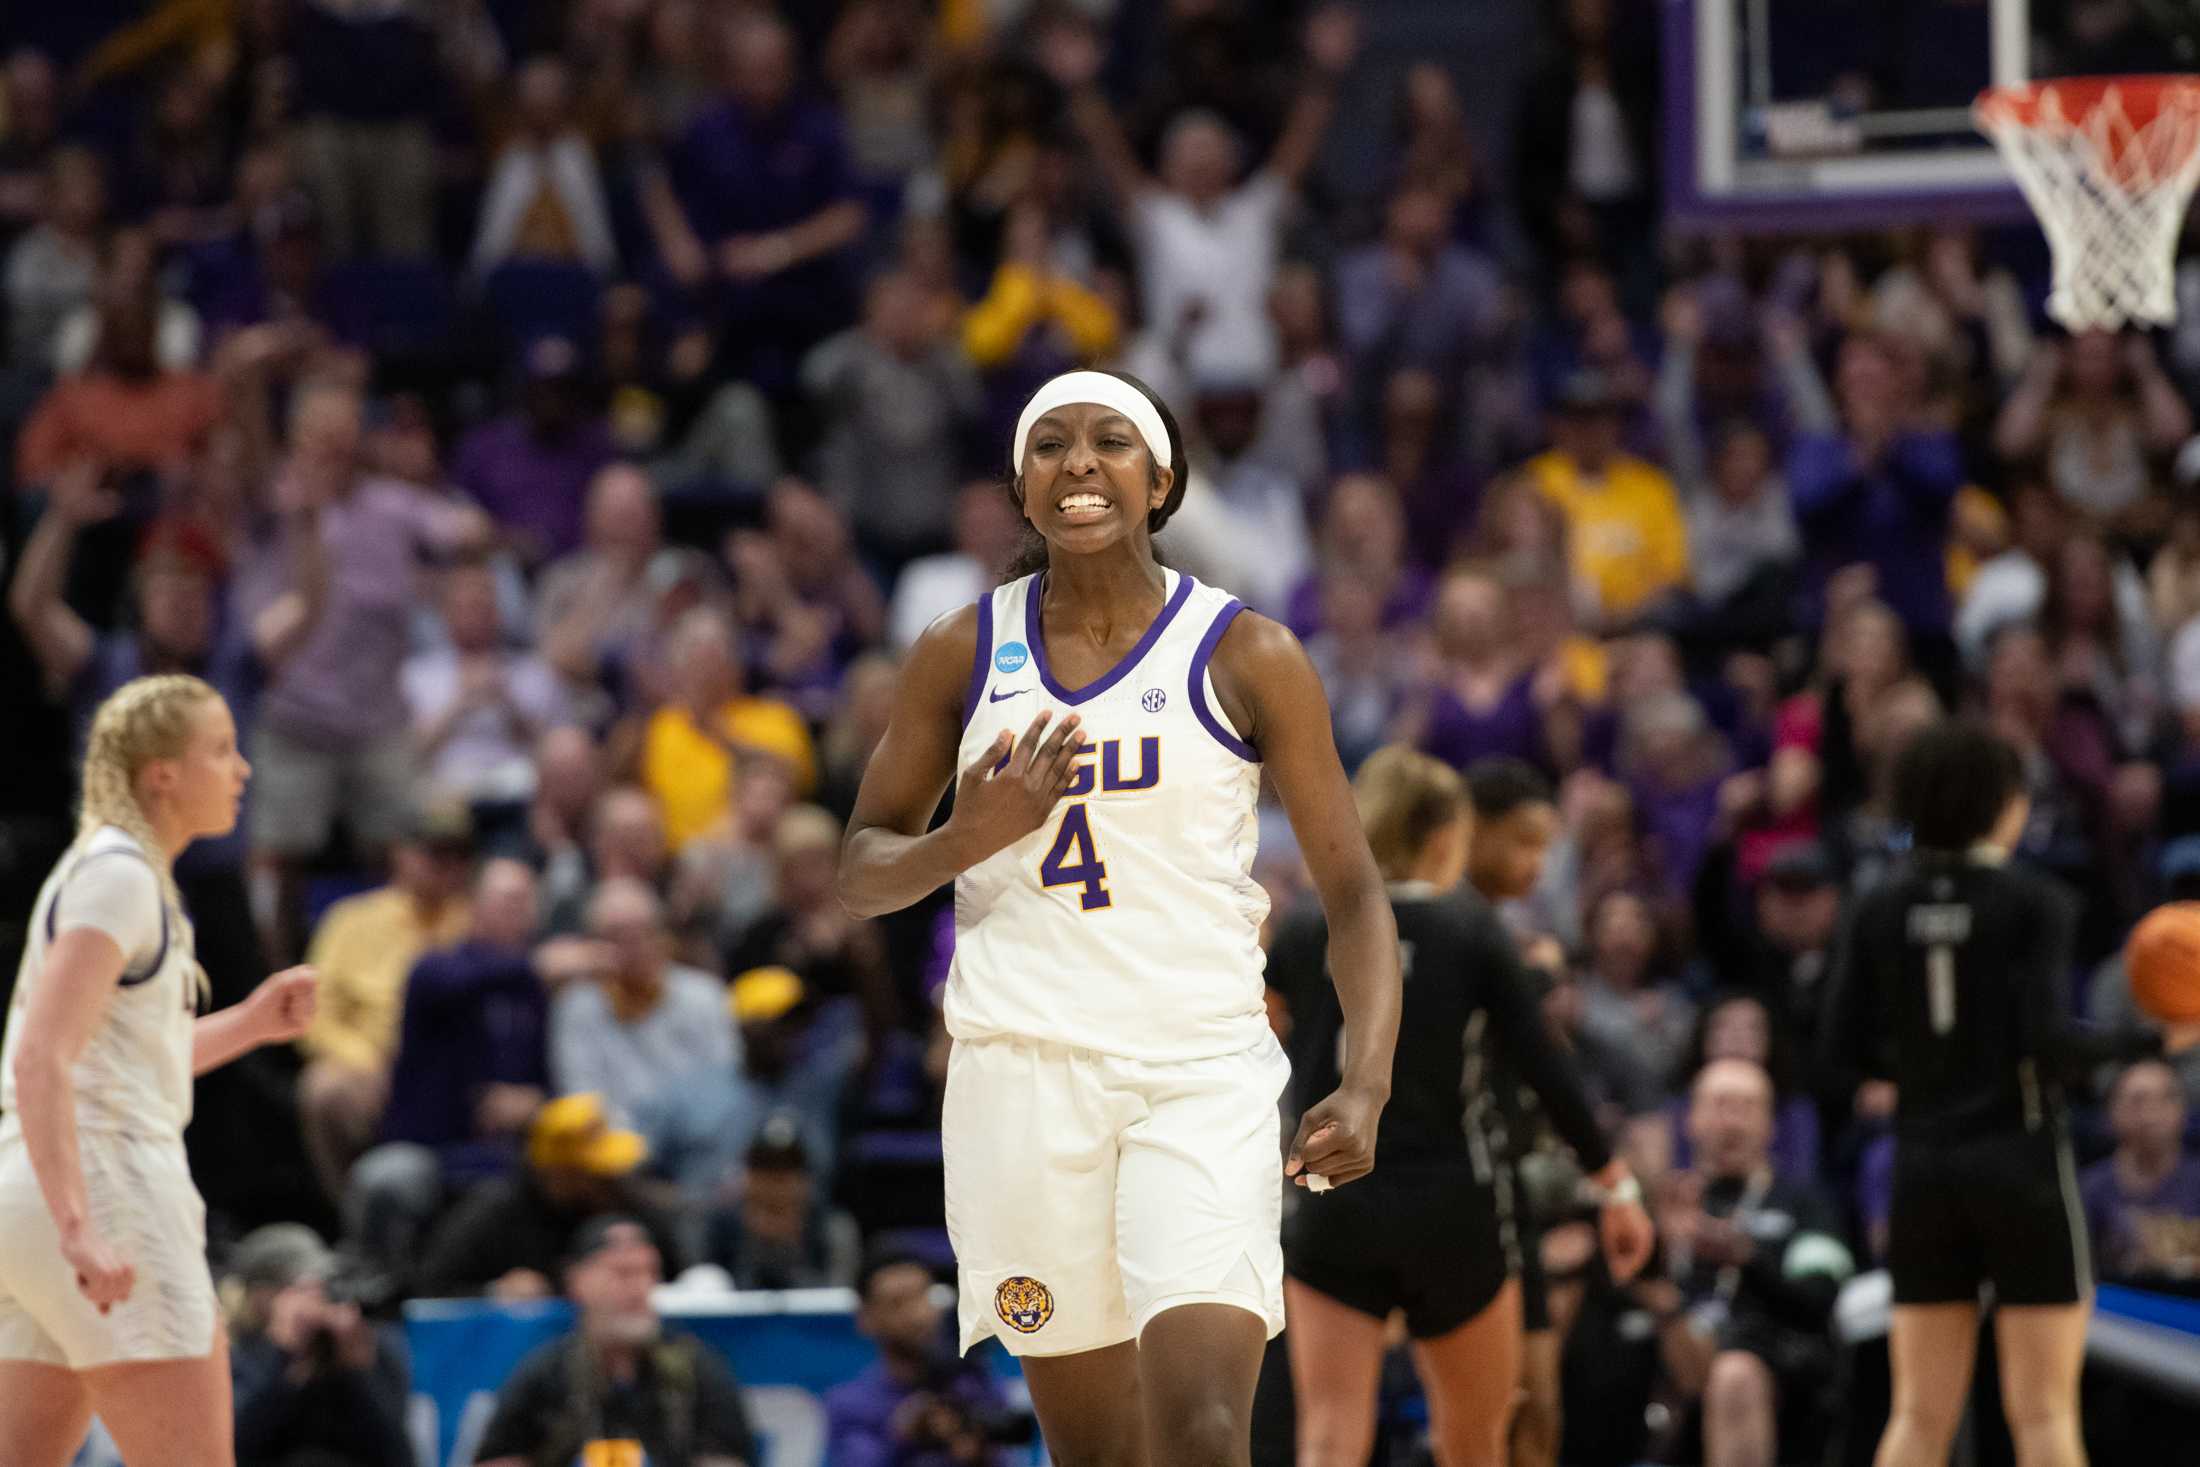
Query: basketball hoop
x,y
2108,164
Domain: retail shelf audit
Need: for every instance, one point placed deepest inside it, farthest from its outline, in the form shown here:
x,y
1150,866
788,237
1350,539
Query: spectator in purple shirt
x,y
920,1405
1879,493
332,724
1363,538
472,1067
530,469
767,206
1480,699
1413,298
2142,1204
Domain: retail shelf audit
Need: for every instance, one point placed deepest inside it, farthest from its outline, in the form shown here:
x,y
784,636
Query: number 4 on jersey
x,y
1073,861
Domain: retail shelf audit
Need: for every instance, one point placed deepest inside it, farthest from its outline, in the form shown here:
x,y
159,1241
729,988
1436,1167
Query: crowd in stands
x,y
547,422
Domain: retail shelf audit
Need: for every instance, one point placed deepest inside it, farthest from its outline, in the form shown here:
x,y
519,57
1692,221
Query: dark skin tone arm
x,y
889,859
1271,693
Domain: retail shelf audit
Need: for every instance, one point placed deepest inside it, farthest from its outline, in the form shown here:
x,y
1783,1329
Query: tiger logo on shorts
x,y
1024,1304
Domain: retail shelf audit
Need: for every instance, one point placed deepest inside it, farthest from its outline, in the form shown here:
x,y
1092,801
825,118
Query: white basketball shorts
x,y
144,1204
1087,1193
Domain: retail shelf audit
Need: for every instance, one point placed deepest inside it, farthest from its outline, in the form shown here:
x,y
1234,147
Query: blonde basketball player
x,y
106,1303
1111,1134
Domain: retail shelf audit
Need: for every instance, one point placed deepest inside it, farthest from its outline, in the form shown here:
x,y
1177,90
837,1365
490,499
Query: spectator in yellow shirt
x,y
693,742
364,948
1623,519
1028,292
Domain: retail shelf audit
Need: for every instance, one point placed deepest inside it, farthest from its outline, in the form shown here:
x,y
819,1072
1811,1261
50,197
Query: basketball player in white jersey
x,y
106,1303
1113,1158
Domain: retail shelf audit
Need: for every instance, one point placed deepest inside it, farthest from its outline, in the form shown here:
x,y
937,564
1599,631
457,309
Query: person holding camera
x,y
1752,1264
317,1384
618,1388
918,1405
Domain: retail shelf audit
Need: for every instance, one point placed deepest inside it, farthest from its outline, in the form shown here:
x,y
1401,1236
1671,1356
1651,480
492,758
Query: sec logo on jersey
x,y
1011,657
1154,701
1024,1304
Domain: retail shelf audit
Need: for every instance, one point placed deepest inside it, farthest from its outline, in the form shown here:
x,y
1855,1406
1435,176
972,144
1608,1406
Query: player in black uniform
x,y
1427,1233
1951,982
1515,822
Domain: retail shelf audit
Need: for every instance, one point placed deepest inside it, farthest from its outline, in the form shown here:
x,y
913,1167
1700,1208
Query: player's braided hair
x,y
145,719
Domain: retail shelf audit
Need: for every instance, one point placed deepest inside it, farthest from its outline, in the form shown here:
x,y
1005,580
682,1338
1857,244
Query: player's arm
x,y
1269,688
1852,1030
1516,1014
2068,1047
890,859
276,1012
1508,995
83,967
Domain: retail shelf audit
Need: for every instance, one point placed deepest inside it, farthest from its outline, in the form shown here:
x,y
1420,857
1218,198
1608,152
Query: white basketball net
x,y
2111,197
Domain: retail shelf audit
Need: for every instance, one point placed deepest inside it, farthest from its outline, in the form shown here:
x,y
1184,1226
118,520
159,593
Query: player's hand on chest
x,y
1013,786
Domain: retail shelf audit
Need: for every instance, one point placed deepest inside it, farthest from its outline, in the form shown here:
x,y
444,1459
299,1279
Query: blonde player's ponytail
x,y
145,719
1405,798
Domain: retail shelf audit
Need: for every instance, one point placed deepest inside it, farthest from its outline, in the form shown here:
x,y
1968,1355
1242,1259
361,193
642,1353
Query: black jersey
x,y
1467,999
1952,981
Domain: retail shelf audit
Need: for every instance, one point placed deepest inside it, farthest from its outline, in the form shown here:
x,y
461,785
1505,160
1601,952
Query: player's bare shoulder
x,y
1261,670
937,666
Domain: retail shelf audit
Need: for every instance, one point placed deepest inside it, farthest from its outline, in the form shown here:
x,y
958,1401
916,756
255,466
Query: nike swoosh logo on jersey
x,y
998,697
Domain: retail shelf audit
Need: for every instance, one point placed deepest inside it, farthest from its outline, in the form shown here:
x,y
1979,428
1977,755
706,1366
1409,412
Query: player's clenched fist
x,y
1336,1140
1009,792
101,1273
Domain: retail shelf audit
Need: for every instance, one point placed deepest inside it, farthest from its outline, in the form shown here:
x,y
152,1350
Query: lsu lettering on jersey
x,y
1129,923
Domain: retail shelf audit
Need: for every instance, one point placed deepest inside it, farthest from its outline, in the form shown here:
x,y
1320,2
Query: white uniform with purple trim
x,y
133,1099
1111,1133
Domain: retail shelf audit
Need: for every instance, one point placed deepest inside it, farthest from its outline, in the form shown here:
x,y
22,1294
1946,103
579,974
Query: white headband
x,y
1099,388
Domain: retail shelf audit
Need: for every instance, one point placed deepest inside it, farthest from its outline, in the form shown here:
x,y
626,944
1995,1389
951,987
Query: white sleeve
x,y
1267,194
116,894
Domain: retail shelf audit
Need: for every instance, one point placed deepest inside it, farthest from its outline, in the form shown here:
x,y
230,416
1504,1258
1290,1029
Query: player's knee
x,y
1469,1444
1335,1442
1931,1423
1739,1384
2033,1412
1201,1431
1123,1453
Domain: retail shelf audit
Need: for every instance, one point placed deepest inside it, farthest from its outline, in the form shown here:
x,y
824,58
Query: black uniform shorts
x,y
2000,1209
1422,1238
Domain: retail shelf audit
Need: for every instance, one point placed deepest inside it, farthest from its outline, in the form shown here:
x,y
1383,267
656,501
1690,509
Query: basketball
x,y
2163,958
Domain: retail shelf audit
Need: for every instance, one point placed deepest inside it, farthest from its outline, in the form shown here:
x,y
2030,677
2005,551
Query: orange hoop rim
x,y
2144,96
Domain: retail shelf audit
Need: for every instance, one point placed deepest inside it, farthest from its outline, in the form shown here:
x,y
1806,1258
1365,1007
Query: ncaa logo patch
x,y
1024,1304
1011,657
1154,701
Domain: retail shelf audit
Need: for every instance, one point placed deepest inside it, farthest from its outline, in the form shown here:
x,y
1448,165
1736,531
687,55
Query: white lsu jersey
x,y
1129,923
134,1075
